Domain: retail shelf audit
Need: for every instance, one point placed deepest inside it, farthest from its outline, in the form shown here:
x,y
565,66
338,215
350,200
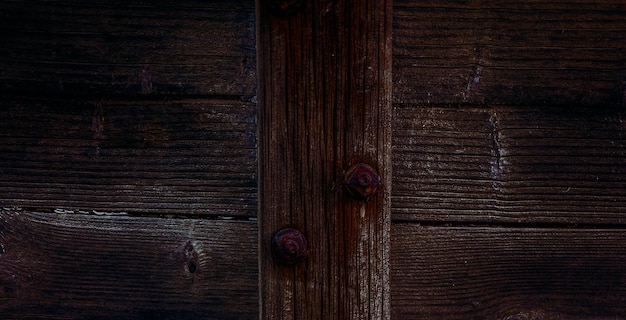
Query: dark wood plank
x,y
112,267
104,48
325,104
510,52
191,156
69,266
507,273
504,164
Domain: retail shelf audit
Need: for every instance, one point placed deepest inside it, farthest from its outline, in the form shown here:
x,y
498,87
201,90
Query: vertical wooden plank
x,y
324,105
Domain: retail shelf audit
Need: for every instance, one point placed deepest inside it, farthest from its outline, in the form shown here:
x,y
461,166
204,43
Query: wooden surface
x,y
159,169
509,165
101,48
121,267
75,266
440,272
510,52
324,104
508,153
192,156
143,108
137,122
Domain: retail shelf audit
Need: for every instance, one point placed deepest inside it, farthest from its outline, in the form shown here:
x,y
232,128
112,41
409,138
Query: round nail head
x,y
289,246
361,181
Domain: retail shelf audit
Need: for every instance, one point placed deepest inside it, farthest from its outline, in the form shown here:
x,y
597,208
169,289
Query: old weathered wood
x,y
508,114
507,273
324,104
104,48
510,52
504,164
192,156
114,267
124,267
95,132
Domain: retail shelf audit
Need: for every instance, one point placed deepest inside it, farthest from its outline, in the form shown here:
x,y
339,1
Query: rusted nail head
x,y
289,246
361,181
364,179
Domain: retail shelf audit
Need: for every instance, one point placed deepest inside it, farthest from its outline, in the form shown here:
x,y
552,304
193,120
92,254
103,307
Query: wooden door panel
x,y
440,272
121,267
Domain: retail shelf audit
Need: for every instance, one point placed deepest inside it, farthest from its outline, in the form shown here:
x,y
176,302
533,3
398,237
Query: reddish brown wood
x,y
75,266
324,104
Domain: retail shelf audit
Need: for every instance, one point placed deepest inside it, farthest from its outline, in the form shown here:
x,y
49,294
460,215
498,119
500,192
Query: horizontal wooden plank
x,y
507,273
88,266
192,156
112,267
199,157
510,52
103,48
509,165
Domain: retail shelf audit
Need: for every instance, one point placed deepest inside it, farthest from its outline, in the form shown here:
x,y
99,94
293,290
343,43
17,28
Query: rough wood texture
x,y
509,165
131,107
510,52
324,104
104,48
129,268
148,108
507,273
193,156
112,267
537,140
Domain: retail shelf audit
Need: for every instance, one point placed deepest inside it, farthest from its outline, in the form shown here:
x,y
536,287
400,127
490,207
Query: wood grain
x,y
72,40
103,48
507,273
113,267
510,52
191,156
324,104
506,164
508,124
142,107
128,268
